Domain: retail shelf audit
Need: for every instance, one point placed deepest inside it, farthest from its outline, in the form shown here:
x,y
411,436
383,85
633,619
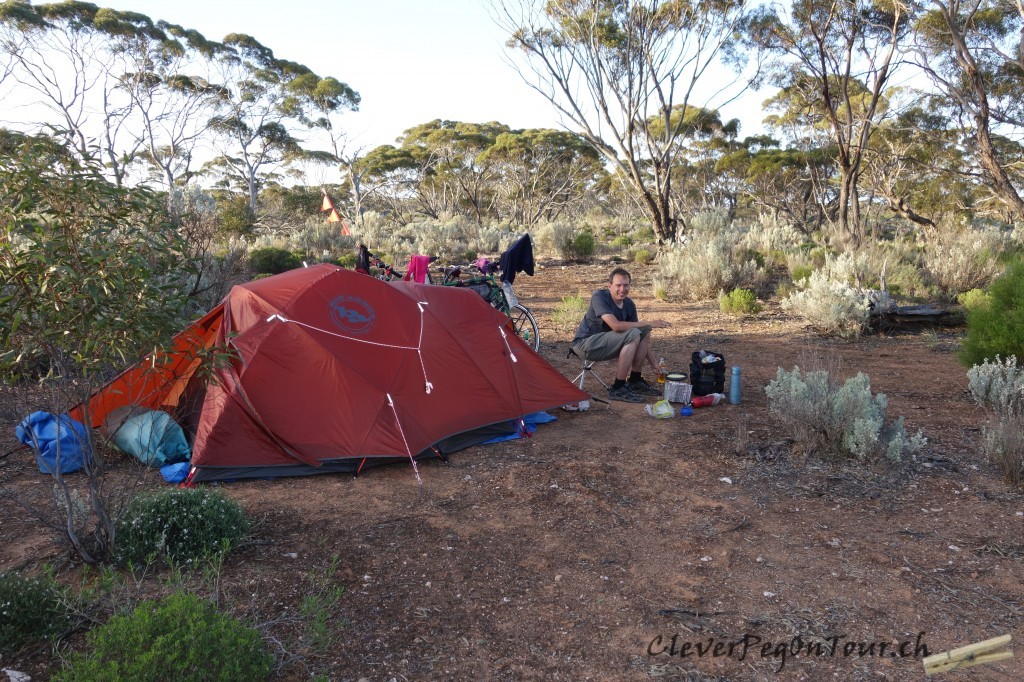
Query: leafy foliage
x,y
845,422
272,261
30,610
180,638
739,302
997,328
973,298
180,525
642,257
568,313
91,274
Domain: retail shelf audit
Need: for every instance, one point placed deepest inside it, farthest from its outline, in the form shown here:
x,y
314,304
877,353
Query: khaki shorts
x,y
608,345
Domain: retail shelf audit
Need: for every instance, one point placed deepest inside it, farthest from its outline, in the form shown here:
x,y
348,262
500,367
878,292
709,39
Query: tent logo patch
x,y
351,314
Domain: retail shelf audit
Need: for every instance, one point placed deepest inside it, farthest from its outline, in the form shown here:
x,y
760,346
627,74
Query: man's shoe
x,y
642,387
624,394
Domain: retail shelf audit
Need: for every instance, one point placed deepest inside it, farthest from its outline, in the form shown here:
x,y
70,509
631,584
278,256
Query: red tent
x,y
332,369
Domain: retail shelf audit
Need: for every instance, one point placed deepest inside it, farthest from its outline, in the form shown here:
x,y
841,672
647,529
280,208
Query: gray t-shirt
x,y
601,303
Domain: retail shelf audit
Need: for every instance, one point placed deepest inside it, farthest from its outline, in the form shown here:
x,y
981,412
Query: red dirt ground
x,y
585,552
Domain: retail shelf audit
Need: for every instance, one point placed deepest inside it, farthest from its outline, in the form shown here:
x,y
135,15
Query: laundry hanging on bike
x,y
517,258
418,270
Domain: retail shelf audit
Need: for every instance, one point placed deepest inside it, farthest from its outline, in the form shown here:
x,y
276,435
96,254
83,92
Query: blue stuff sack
x,y
175,473
60,442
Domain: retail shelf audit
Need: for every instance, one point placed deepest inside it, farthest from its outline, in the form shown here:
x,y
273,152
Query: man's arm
x,y
617,325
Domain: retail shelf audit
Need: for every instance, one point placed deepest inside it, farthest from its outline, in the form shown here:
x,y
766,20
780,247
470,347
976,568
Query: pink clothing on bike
x,y
417,270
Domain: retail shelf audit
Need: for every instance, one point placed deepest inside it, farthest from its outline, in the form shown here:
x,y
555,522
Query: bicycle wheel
x,y
525,325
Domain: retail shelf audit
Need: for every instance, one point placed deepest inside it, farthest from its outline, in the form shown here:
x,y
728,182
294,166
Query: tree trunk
x,y
1000,182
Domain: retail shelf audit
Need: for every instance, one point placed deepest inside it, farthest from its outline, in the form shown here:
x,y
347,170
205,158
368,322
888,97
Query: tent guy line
x,y
418,348
401,432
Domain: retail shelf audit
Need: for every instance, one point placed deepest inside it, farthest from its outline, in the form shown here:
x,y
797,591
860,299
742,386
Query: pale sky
x,y
411,61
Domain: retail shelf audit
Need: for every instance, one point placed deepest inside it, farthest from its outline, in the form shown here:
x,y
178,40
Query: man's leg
x,y
628,356
641,352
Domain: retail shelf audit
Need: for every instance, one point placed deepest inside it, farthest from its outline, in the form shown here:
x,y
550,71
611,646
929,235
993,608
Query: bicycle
x,y
384,271
499,295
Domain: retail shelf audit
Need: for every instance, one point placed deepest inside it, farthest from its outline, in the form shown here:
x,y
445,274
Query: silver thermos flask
x,y
734,386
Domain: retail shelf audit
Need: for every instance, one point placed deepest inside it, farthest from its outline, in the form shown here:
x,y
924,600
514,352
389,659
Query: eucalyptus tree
x,y
92,275
251,132
318,103
788,184
973,52
61,79
265,99
388,177
540,174
167,74
794,117
837,57
919,165
703,138
610,66
456,170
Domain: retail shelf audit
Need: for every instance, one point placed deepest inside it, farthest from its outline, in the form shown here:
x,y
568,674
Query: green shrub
x,y
644,235
568,314
800,272
622,241
346,260
31,609
180,525
583,246
180,638
974,298
752,255
739,302
272,260
999,387
642,257
845,422
234,215
997,329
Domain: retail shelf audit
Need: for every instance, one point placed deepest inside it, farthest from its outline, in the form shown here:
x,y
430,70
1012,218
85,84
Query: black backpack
x,y
707,372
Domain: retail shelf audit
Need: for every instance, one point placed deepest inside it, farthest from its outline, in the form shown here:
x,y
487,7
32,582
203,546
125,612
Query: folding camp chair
x,y
587,368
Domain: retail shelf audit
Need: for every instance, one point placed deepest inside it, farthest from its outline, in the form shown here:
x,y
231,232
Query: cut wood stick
x,y
967,656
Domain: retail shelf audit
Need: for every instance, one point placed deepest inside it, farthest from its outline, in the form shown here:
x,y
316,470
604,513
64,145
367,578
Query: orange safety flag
x,y
334,217
327,205
344,229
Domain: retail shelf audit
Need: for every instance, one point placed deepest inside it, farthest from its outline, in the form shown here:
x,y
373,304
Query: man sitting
x,y
612,329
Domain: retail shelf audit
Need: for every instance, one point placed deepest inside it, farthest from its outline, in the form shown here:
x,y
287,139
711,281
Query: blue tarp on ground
x,y
60,443
531,421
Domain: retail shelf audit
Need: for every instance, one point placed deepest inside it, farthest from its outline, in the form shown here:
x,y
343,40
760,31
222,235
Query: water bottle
x,y
734,386
662,371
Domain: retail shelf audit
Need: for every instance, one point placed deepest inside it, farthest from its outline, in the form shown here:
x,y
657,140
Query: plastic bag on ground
x,y
660,410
